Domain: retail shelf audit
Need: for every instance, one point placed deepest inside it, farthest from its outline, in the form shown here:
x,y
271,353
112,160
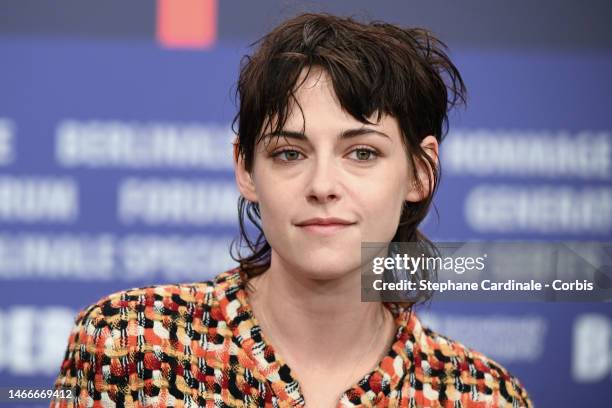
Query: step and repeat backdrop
x,y
116,166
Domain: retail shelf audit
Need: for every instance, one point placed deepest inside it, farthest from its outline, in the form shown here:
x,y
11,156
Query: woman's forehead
x,y
314,109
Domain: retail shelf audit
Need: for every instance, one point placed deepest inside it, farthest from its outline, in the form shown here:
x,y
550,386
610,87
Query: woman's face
x,y
353,176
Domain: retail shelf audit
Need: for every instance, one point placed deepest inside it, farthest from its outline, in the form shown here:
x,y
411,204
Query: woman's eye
x,y
289,155
364,154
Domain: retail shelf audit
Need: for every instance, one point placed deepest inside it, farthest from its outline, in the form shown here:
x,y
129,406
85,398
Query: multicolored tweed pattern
x,y
199,345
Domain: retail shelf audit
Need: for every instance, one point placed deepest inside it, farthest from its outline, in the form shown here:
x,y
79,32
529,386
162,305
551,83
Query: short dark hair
x,y
375,68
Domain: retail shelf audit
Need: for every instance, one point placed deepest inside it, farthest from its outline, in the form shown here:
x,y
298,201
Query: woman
x,y
338,130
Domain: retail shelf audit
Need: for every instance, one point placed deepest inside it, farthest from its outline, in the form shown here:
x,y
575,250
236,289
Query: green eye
x,y
364,154
290,155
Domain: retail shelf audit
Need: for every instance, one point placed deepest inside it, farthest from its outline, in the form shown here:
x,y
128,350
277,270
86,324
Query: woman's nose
x,y
323,185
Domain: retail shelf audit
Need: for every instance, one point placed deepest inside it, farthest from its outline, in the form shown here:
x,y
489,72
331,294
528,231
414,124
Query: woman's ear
x,y
244,180
424,171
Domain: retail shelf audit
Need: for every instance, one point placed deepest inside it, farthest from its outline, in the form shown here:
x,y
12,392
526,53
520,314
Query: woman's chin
x,y
327,270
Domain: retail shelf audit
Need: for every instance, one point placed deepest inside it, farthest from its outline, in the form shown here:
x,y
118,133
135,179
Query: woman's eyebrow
x,y
347,134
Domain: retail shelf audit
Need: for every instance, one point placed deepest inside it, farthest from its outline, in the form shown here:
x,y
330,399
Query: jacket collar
x,y
384,381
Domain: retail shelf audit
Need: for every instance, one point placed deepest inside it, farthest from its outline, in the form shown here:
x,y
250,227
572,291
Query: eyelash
x,y
373,152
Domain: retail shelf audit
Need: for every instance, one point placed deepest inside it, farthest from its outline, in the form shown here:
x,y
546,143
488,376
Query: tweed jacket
x,y
199,345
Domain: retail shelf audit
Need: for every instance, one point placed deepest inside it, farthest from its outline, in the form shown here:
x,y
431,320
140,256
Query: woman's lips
x,y
324,229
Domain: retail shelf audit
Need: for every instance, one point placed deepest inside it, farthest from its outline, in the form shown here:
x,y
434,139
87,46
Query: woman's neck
x,y
316,320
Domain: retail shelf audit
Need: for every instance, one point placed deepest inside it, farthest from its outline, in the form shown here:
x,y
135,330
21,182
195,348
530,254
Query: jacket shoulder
x,y
154,299
140,324
449,362
164,299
